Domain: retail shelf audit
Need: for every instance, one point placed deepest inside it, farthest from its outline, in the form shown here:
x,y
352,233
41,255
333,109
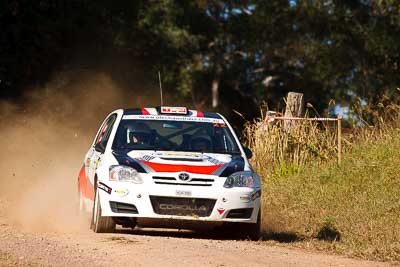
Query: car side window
x,y
105,131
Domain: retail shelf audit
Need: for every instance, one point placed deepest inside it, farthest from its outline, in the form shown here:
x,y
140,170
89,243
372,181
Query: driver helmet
x,y
201,141
139,133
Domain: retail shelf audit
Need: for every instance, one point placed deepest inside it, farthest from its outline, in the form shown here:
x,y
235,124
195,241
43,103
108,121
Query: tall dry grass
x,y
306,142
312,142
310,200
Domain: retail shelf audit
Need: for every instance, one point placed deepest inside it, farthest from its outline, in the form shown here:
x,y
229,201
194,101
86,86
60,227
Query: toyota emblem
x,y
184,176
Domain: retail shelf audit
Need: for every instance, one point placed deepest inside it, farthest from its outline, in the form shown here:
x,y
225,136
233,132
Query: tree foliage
x,y
226,54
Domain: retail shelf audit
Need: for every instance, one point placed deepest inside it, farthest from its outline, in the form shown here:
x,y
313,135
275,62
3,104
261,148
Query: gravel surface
x,y
148,247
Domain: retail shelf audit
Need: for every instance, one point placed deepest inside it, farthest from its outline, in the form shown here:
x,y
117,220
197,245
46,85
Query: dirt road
x,y
148,248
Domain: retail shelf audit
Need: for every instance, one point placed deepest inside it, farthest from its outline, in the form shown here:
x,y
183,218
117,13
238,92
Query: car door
x,y
97,150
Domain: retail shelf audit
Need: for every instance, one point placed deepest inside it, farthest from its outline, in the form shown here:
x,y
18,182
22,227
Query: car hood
x,y
172,161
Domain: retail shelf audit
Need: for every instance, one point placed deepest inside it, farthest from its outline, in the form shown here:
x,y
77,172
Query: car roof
x,y
157,111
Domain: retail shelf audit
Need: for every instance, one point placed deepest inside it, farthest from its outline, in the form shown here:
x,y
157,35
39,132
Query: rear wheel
x,y
101,224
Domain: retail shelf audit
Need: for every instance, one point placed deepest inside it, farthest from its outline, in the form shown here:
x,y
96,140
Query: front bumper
x,y
211,202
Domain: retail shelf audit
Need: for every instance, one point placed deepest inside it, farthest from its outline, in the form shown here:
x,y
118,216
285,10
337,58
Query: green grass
x,y
352,209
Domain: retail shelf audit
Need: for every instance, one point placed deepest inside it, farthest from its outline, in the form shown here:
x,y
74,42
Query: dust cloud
x,y
43,141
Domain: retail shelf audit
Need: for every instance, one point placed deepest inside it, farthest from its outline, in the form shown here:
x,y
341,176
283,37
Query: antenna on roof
x,y
159,79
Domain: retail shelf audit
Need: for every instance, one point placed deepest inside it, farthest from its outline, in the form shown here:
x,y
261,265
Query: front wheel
x,y
251,230
238,230
101,224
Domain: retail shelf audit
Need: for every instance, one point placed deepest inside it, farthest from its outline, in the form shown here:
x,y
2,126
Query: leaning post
x,y
294,108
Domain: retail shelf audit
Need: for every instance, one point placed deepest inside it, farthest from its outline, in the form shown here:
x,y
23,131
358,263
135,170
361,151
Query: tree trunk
x,y
294,108
215,86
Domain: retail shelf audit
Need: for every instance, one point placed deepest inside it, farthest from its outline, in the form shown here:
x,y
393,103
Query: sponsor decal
x,y
173,118
221,211
184,161
104,187
174,110
157,156
160,167
147,157
182,207
213,160
166,157
179,155
121,192
183,193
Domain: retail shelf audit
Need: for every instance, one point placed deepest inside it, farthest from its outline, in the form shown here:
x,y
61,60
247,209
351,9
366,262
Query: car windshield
x,y
175,133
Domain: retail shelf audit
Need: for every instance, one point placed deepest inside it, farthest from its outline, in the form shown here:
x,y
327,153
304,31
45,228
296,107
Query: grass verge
x,y
352,209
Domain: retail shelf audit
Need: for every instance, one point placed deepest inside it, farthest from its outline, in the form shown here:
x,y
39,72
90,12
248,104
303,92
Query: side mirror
x,y
248,152
100,147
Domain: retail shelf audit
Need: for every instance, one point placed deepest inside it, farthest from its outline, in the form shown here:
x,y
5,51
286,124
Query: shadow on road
x,y
281,237
181,233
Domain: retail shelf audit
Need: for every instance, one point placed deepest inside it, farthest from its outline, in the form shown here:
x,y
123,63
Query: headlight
x,y
242,179
125,174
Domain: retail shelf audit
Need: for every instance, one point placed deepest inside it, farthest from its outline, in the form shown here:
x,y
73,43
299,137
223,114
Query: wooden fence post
x,y
294,108
339,134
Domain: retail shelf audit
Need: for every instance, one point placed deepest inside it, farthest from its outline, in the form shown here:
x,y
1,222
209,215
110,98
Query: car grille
x,y
120,207
201,207
191,182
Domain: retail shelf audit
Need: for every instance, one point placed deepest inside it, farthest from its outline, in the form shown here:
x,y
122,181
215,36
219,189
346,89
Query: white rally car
x,y
169,167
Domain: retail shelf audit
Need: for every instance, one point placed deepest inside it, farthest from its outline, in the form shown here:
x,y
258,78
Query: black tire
x,y
237,230
251,231
100,224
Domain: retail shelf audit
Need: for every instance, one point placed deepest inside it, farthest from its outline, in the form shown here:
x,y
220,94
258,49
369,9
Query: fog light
x,y
245,198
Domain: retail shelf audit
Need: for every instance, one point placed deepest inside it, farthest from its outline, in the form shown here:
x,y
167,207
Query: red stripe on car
x,y
159,167
85,186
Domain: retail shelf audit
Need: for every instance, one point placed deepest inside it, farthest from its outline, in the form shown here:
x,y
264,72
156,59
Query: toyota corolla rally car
x,y
169,167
